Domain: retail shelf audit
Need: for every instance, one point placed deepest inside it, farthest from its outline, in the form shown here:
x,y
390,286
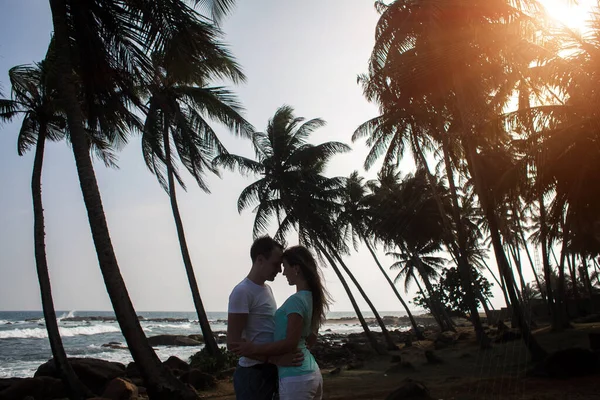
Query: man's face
x,y
272,265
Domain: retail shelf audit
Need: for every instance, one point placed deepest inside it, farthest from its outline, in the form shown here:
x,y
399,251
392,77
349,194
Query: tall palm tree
x,y
101,47
353,218
34,96
180,102
456,70
292,188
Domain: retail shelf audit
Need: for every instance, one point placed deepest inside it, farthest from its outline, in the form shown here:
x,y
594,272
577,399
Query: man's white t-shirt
x,y
258,302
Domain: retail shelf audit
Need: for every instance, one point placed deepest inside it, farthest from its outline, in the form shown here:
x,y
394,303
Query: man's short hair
x,y
263,246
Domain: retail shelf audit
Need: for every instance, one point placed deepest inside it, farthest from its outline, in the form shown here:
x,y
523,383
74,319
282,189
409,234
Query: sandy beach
x,y
464,373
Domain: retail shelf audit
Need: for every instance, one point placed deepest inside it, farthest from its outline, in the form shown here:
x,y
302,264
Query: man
x,y
250,318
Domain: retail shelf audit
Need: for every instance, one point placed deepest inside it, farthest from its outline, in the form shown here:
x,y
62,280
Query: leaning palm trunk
x,y
537,352
445,321
413,322
361,318
74,386
209,339
159,381
386,334
552,305
461,253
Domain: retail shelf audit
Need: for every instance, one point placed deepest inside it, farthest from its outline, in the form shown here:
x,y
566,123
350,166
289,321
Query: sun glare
x,y
574,14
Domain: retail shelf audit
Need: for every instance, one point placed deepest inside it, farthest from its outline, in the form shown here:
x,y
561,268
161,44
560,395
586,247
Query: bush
x,y
213,365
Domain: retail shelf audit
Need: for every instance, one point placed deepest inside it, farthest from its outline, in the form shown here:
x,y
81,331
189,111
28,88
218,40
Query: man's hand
x,y
246,349
293,359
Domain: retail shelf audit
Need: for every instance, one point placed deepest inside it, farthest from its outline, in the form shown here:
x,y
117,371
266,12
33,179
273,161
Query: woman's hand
x,y
245,349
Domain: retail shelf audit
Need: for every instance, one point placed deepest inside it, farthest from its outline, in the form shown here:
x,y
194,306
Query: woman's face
x,y
291,272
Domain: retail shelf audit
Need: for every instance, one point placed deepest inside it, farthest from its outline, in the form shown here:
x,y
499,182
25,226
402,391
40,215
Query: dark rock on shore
x,y
93,373
568,363
172,340
39,388
199,380
177,365
410,389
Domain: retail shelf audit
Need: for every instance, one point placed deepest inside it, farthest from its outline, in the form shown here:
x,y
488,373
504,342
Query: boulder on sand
x,y
92,372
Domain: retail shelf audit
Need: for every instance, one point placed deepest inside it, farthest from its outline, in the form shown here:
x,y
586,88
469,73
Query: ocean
x,y
24,341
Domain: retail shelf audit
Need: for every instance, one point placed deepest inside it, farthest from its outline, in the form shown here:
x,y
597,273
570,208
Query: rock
x,y
396,358
6,382
445,339
335,371
401,367
120,389
355,365
177,365
594,338
40,388
410,390
432,358
226,374
197,337
93,373
567,363
198,379
132,371
507,336
172,340
114,345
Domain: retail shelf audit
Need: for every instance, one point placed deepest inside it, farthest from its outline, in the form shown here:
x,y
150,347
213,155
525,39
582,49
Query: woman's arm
x,y
287,345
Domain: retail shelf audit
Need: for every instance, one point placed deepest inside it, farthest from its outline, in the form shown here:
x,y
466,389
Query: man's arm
x,y
287,345
236,323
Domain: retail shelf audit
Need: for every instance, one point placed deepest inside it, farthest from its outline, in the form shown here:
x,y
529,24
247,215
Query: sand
x,y
467,373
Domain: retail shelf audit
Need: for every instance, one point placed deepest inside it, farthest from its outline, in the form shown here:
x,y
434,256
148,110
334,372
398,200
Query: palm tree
x,y
34,96
424,263
101,48
352,219
293,190
463,62
180,102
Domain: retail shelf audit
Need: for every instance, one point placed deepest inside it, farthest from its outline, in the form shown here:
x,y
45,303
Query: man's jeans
x,y
255,383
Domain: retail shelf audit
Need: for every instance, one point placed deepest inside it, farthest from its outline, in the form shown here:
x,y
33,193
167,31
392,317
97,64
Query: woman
x,y
297,322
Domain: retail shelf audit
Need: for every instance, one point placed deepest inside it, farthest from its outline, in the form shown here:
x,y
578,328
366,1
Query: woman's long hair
x,y
302,257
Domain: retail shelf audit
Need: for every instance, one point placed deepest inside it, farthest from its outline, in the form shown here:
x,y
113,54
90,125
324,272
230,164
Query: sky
x,y
306,54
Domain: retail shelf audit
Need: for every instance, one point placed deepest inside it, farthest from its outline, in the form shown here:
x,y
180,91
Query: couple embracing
x,y
274,342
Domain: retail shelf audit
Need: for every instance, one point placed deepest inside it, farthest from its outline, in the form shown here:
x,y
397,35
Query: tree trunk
x,y
389,281
74,386
463,262
517,260
446,323
500,283
374,344
552,306
562,321
386,335
160,382
209,339
537,279
537,352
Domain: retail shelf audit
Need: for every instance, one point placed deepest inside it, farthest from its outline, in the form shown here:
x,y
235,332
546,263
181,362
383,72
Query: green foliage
x,y
212,365
449,292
